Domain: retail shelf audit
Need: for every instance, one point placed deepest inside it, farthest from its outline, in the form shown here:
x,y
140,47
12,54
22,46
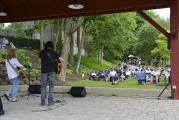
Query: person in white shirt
x,y
155,73
112,74
11,64
128,73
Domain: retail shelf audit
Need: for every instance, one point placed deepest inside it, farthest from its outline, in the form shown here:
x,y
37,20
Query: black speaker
x,y
78,91
1,108
34,89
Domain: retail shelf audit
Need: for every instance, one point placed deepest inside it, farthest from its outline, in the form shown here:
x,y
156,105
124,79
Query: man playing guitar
x,y
48,59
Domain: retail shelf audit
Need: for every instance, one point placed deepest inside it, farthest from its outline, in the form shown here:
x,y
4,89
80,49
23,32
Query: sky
x,y
165,13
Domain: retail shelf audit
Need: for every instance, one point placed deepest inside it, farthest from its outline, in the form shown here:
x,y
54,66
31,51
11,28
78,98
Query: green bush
x,y
35,72
2,55
69,71
23,57
84,69
89,63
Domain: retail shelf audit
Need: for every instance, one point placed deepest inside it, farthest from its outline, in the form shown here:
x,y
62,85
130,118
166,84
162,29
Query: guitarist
x,y
47,57
11,64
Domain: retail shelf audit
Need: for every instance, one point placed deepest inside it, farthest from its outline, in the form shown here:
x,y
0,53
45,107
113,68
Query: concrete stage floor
x,y
99,104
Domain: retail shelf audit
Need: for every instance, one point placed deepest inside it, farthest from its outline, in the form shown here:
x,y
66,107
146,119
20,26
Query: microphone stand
x,y
29,76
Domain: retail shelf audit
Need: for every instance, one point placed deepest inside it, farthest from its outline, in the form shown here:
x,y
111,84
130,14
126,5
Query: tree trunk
x,y
68,29
42,36
72,50
78,39
80,52
66,47
57,31
100,55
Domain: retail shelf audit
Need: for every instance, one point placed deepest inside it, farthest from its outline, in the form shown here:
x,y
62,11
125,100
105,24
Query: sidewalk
x,y
99,104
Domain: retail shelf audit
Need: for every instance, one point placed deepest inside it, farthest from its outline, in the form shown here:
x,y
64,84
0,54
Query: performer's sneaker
x,y
51,103
13,100
56,101
42,104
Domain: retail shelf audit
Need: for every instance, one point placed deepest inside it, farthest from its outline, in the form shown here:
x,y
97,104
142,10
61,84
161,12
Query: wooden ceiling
x,y
26,10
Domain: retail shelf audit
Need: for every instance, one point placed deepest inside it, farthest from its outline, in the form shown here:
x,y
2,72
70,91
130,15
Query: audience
x,y
144,75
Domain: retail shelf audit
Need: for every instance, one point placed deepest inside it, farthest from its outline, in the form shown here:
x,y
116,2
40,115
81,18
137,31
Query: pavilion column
x,y
174,42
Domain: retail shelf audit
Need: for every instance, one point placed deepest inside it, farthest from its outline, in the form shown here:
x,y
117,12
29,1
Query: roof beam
x,y
52,10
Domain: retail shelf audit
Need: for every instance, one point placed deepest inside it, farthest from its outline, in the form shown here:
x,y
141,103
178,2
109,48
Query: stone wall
x,y
3,74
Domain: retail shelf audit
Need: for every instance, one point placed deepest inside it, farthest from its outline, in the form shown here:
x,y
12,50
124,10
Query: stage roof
x,y
26,10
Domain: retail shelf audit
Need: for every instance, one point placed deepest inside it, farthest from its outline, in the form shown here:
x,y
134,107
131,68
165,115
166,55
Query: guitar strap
x,y
12,67
50,57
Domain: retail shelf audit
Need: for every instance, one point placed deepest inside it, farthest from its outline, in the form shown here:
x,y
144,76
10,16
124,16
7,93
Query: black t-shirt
x,y
46,57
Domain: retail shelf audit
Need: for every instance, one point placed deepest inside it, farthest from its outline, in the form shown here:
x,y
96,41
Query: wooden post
x,y
174,40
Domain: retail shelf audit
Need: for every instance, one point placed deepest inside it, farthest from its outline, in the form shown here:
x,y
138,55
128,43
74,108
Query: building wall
x,y
8,33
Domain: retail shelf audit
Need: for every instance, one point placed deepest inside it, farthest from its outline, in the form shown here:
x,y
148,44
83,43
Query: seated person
x,y
112,74
141,76
102,75
92,75
155,75
116,80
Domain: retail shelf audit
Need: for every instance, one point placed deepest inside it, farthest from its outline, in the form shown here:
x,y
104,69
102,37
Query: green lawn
x,y
130,83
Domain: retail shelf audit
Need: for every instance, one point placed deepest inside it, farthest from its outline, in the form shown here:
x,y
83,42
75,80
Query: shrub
x,y
2,55
88,63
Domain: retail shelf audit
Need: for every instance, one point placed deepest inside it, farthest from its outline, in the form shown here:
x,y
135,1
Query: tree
x,y
80,48
146,42
161,51
69,27
19,27
146,36
109,36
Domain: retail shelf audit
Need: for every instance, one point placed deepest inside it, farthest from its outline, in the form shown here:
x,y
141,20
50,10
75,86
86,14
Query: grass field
x,y
129,83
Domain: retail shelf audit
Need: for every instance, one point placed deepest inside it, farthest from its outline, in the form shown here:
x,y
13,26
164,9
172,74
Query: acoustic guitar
x,y
58,66
57,62
20,72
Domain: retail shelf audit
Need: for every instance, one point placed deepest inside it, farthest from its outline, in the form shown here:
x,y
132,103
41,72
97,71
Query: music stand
x,y
29,76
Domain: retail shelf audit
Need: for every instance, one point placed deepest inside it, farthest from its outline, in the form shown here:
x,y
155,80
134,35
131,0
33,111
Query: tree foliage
x,y
111,36
19,27
161,49
112,32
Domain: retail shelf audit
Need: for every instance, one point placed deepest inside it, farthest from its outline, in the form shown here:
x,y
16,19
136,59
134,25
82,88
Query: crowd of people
x,y
151,75
113,75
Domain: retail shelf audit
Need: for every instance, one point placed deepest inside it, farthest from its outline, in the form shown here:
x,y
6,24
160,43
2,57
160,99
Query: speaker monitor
x,y
78,91
1,108
34,89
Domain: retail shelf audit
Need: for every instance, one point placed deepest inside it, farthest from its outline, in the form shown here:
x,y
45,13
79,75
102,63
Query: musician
x,y
47,57
11,64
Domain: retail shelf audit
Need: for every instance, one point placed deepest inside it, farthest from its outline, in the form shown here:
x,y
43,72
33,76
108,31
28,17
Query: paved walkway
x,y
94,107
